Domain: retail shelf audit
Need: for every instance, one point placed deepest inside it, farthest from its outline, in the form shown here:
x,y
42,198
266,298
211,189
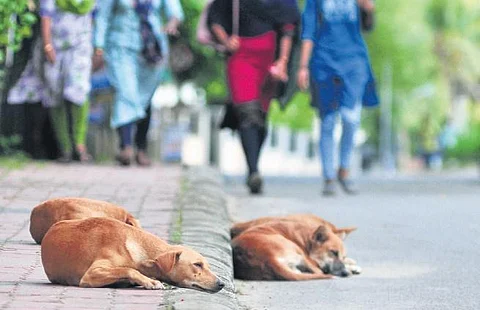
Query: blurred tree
x,y
207,69
456,27
15,24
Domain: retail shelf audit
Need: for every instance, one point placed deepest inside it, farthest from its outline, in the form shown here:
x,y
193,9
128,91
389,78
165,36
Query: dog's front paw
x,y
355,269
154,285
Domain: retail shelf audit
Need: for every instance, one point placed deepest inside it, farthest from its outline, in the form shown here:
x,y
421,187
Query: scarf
x,y
79,7
151,51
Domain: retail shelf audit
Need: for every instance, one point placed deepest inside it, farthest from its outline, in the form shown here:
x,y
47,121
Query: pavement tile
x,y
23,283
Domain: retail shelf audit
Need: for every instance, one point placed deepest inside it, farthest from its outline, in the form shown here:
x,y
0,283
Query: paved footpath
x,y
149,194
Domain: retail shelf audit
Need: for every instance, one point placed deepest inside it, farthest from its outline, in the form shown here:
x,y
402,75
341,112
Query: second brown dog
x,y
295,247
52,211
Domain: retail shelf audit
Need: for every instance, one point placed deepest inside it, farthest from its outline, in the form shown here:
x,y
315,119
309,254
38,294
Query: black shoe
x,y
329,189
66,158
348,186
255,183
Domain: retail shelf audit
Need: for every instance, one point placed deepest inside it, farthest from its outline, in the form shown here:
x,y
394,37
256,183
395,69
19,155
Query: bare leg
x,y
100,275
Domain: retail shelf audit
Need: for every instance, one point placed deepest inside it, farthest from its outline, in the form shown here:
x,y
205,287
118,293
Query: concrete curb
x,y
201,221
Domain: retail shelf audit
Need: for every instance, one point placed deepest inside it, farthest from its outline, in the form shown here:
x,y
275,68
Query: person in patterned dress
x,y
58,75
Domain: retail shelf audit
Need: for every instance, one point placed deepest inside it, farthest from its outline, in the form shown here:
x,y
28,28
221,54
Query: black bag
x,y
230,119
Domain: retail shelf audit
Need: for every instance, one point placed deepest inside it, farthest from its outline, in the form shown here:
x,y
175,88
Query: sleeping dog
x,y
296,247
98,252
51,211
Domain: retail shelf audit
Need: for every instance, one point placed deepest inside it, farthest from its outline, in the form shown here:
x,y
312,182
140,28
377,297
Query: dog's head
x,y
328,251
185,267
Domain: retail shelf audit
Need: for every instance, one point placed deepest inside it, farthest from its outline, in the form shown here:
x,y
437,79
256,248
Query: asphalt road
x,y
417,242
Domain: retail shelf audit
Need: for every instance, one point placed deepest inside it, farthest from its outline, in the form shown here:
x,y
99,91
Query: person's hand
x,y
233,43
50,53
303,78
367,5
97,60
171,28
279,70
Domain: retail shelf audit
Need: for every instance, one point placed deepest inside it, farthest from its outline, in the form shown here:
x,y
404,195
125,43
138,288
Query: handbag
x,y
230,119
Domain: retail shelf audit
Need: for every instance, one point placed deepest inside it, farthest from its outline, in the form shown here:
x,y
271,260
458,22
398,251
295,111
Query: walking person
x,y
58,75
334,63
251,42
130,36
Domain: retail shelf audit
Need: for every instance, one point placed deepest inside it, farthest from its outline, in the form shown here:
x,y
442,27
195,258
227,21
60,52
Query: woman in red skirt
x,y
253,57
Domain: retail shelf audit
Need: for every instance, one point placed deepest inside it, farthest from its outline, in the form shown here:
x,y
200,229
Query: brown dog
x,y
51,211
296,247
98,252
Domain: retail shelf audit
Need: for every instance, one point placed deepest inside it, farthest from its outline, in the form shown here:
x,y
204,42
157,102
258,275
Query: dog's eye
x,y
199,265
334,253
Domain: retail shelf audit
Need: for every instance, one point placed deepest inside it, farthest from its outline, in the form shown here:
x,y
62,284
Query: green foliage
x,y
298,115
456,25
208,69
468,145
15,24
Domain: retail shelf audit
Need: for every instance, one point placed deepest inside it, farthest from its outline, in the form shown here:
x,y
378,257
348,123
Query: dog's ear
x,y
133,221
342,233
321,234
166,261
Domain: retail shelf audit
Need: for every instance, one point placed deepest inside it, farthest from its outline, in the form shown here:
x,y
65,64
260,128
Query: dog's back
x,y
308,219
51,211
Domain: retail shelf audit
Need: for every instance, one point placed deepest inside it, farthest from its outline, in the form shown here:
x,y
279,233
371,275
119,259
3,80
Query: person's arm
x,y
309,28
47,9
101,20
219,15
279,69
175,16
232,43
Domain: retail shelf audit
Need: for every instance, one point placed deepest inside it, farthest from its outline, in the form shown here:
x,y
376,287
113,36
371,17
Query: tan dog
x,y
296,247
51,211
98,252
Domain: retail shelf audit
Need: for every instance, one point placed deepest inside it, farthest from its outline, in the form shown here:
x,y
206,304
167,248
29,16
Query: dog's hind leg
x,y
284,272
101,274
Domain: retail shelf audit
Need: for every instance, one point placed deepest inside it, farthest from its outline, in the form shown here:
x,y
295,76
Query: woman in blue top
x,y
334,63
131,35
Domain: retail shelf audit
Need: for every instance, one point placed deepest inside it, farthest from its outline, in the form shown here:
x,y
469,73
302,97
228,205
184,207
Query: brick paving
x,y
148,193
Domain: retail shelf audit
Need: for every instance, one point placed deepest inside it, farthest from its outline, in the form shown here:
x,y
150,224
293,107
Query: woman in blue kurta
x,y
334,63
123,31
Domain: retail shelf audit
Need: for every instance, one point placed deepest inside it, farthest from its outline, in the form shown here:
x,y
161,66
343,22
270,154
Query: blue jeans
x,y
350,123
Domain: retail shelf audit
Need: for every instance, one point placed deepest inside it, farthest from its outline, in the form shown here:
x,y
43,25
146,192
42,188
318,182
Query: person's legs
x,y
141,139
252,130
80,127
327,145
35,116
59,120
126,148
350,124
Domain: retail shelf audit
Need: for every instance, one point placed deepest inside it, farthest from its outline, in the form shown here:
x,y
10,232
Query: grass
x,y
177,222
14,162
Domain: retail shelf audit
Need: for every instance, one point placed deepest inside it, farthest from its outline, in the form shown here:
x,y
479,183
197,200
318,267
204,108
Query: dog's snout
x,y
220,284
